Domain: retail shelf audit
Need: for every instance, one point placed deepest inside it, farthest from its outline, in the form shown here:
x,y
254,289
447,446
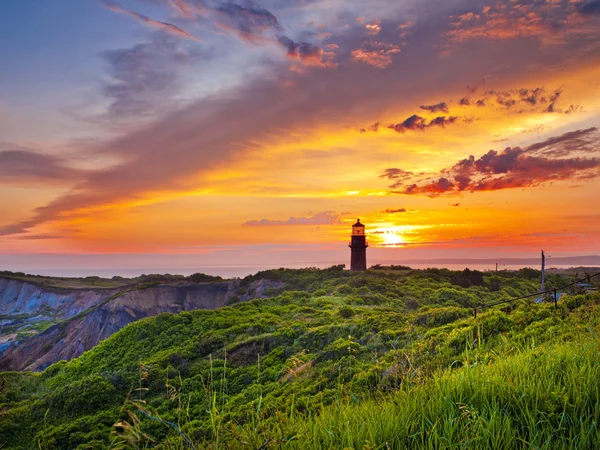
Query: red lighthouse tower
x,y
358,246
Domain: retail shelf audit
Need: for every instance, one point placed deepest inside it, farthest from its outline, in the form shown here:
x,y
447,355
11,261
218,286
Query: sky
x,y
231,133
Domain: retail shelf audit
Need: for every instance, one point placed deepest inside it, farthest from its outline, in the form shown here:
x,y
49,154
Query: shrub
x,y
346,312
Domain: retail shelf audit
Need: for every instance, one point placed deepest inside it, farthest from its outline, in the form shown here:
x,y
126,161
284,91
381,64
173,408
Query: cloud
x,y
516,167
307,54
28,166
396,174
589,7
322,218
168,27
37,237
550,22
439,107
585,140
395,211
144,79
376,54
432,189
418,123
526,99
177,153
248,22
373,28
252,24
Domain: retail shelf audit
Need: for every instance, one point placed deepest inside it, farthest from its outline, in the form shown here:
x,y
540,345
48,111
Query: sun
x,y
392,239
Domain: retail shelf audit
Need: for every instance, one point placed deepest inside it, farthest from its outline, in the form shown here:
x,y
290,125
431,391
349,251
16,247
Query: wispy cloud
x,y
395,211
248,21
322,218
145,78
28,166
168,27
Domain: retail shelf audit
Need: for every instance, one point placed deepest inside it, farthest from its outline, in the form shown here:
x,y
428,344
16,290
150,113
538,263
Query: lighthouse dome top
x,y
358,224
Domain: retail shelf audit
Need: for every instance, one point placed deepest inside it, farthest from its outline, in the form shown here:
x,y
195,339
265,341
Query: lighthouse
x,y
358,247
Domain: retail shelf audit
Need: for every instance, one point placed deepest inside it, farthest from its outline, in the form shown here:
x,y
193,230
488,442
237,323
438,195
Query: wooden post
x,y
543,273
474,313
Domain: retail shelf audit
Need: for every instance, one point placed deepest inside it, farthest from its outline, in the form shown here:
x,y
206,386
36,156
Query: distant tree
x,y
203,278
468,278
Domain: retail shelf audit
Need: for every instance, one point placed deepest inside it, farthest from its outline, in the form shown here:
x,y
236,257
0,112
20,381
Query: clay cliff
x,y
88,316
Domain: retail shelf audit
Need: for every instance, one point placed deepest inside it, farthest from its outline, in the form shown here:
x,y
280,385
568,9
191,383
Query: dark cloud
x,y
589,7
249,21
514,167
439,107
432,189
25,165
322,218
395,211
419,123
580,140
308,54
536,99
396,174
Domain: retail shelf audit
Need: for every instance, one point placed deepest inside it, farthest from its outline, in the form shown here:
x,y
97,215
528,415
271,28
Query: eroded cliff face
x,y
20,297
95,315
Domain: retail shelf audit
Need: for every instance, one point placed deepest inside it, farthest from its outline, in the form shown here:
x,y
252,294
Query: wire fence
x,y
553,291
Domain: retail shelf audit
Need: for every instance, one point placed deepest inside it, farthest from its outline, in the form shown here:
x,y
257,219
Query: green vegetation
x,y
94,282
389,358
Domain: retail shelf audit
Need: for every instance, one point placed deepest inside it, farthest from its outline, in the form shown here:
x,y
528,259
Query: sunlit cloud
x,y
540,163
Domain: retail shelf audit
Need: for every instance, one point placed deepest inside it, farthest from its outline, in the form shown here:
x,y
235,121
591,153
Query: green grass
x,y
373,360
544,398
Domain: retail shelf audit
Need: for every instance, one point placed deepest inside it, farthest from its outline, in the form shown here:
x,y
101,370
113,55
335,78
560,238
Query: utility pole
x,y
543,270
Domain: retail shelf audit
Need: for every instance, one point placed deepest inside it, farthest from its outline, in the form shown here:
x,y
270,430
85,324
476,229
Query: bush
x,y
346,312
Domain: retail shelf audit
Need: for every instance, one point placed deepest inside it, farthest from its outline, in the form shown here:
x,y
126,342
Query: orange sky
x,y
281,126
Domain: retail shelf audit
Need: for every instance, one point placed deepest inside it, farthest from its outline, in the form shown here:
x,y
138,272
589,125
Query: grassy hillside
x,y
383,359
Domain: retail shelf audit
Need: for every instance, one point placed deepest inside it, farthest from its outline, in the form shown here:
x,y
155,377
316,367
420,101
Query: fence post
x,y
555,298
474,313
